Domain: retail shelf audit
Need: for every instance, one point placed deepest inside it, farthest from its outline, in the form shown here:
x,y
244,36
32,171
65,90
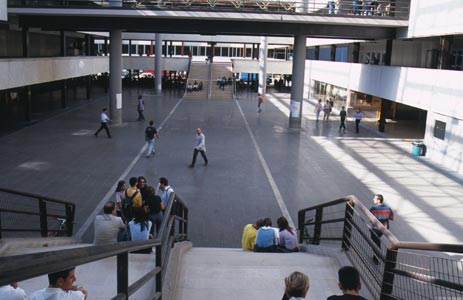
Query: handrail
x,y
360,245
46,208
22,267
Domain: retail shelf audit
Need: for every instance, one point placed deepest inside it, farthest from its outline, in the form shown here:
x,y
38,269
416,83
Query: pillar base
x,y
295,123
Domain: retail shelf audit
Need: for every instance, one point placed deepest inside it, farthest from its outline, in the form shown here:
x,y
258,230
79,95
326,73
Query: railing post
x,y
69,219
43,218
185,224
1,225
300,223
123,274
346,232
159,274
318,226
388,275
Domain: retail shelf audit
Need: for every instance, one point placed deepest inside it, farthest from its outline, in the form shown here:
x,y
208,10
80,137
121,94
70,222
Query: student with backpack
x,y
132,199
150,134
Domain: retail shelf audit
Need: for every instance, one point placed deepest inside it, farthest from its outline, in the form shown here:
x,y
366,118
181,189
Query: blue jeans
x,y
150,148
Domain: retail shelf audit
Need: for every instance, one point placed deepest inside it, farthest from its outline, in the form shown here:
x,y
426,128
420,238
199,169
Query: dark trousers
x,y
195,153
104,126
343,124
140,115
357,122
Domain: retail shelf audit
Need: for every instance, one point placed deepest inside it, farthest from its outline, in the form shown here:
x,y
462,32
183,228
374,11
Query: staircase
x,y
220,70
199,72
229,274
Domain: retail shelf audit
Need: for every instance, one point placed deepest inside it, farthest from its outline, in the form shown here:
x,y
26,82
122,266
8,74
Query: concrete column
x,y
388,55
25,41
297,87
333,53
158,63
316,53
63,82
356,53
445,55
171,49
263,65
115,81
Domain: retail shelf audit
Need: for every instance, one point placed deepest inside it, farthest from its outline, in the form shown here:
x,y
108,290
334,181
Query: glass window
x,y
439,130
225,51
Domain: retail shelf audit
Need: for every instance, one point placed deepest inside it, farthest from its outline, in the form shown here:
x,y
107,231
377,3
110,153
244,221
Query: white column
x,y
262,66
158,63
115,80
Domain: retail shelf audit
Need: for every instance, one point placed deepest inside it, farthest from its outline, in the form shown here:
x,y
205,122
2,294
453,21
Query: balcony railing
x,y
398,9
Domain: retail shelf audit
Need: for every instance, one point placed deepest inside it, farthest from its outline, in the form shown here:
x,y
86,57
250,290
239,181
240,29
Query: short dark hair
x,y
164,181
109,207
267,222
150,191
133,181
141,178
151,122
349,278
105,109
380,197
53,277
119,185
139,96
259,223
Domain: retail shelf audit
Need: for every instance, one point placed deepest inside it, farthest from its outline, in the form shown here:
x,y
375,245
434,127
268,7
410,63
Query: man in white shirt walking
x,y
199,147
104,119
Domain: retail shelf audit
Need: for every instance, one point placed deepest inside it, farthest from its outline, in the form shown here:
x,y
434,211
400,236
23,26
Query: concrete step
x,y
221,273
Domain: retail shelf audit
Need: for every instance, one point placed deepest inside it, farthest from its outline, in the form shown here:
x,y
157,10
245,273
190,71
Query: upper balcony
x,y
313,18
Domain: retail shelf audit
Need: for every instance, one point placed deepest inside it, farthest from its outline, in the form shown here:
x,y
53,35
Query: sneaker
x,y
205,164
191,166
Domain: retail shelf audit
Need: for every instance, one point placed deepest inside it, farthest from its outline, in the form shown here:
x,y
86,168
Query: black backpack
x,y
127,205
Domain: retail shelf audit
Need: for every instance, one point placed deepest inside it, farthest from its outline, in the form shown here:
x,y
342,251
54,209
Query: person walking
x,y
150,134
358,118
104,123
343,115
140,108
326,110
260,100
199,147
318,108
384,214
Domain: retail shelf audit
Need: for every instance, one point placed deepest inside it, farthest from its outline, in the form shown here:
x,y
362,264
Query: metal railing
x,y
393,269
22,267
26,215
382,8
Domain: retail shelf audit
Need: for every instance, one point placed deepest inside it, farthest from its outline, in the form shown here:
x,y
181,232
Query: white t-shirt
x,y
106,228
103,117
57,294
7,292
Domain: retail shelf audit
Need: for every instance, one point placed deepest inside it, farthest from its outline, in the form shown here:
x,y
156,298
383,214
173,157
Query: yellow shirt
x,y
249,237
137,201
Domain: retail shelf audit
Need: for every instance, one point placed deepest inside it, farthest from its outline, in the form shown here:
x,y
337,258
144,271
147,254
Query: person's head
x,y
104,109
120,186
259,223
343,108
151,123
109,208
139,97
283,224
267,222
296,285
319,100
349,279
199,130
62,279
163,183
378,199
358,109
141,182
133,181
150,191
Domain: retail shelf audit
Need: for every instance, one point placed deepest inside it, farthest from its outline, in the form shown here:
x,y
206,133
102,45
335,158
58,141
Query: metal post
x,y
388,54
263,66
316,53
388,275
158,63
115,81
333,53
356,53
43,218
300,222
159,264
297,86
27,95
123,274
347,229
69,219
318,226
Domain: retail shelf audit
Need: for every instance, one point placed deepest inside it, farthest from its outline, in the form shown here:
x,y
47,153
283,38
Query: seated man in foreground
x,y
61,287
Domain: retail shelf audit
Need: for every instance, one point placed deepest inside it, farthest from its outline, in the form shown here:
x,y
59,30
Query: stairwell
x,y
220,70
199,72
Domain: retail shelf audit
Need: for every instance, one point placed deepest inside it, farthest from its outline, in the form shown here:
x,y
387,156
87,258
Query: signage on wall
x,y
3,13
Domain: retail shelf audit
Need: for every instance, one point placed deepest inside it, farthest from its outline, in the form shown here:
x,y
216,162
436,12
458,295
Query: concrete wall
x,y
438,92
22,72
435,17
252,66
147,63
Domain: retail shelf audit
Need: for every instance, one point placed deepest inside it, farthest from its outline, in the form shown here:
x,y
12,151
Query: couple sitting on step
x,y
262,237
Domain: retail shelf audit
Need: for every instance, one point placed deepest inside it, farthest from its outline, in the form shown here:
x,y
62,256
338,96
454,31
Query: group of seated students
x,y
297,285
136,214
262,237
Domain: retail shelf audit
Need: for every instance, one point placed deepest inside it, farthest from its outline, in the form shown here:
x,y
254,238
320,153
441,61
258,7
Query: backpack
x,y
127,205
